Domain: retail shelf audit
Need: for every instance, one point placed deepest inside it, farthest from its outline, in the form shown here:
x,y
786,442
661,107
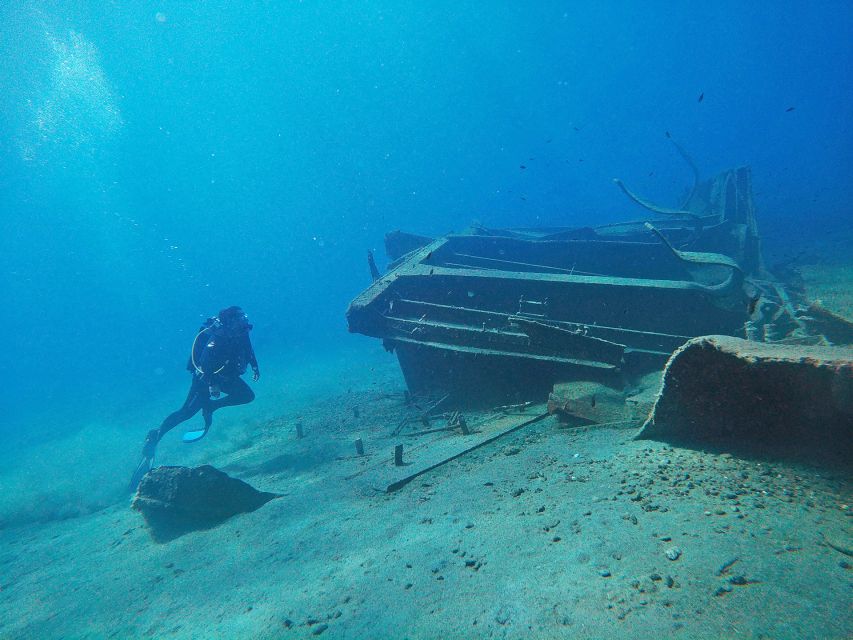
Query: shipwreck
x,y
505,314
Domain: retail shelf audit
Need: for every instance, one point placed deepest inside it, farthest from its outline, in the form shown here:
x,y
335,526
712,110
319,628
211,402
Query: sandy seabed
x,y
550,532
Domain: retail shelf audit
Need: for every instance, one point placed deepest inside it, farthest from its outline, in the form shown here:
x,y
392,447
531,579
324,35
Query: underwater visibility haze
x,y
162,161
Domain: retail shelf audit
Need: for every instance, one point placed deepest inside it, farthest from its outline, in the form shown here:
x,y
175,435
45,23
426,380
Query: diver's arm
x,y
252,360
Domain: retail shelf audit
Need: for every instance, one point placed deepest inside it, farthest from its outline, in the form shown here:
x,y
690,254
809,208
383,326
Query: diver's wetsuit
x,y
218,361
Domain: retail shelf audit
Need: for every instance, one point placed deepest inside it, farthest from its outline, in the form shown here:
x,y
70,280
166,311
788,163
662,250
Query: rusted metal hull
x,y
507,313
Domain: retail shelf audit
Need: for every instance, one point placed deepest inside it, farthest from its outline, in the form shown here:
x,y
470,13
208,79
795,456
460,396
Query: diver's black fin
x,y
143,468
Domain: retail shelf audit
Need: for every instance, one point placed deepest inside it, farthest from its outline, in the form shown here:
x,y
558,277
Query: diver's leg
x,y
196,399
238,392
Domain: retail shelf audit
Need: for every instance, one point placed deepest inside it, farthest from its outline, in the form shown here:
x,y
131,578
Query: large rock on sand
x,y
719,388
176,500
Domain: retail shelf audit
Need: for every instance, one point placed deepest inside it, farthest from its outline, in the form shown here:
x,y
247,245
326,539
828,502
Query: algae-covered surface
x,y
552,531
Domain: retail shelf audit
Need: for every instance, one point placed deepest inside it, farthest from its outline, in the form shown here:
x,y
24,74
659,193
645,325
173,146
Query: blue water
x,y
160,161
163,160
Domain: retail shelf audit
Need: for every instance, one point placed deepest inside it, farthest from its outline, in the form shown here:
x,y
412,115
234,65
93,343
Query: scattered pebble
x,y
726,566
604,573
673,553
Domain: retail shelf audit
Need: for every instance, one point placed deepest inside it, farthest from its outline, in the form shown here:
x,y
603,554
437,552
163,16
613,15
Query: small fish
x,y
548,141
789,109
667,135
651,173
522,166
701,97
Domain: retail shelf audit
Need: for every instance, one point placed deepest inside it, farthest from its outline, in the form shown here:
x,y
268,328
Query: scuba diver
x,y
220,354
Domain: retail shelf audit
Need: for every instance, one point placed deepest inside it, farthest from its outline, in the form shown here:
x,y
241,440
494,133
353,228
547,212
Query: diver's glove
x,y
256,374
214,390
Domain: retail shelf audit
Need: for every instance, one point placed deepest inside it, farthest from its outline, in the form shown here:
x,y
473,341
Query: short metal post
x,y
299,433
398,455
359,447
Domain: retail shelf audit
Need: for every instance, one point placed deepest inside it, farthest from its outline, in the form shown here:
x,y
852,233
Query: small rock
x,y
655,577
669,582
319,629
722,590
511,451
673,553
604,573
517,492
